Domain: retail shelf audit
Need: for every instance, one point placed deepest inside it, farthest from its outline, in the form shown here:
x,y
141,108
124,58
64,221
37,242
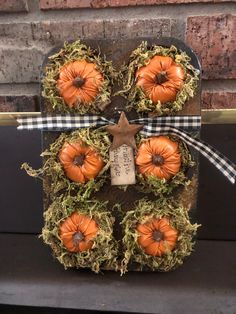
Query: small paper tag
x,y
122,166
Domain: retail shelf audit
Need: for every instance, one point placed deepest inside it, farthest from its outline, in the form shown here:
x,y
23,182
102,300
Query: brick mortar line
x,y
35,45
16,89
99,20
143,12
219,85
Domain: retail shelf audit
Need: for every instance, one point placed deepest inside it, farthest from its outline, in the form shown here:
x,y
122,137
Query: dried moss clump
x,y
104,251
53,174
74,52
163,187
134,94
143,212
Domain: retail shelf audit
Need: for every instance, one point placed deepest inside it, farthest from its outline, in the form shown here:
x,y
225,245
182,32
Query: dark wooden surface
x,y
206,283
21,309
216,209
20,195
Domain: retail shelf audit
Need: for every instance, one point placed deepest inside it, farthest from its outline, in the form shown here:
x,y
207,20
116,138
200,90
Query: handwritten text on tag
x,y
122,166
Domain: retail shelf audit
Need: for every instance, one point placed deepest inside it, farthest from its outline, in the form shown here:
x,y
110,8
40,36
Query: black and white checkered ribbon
x,y
176,125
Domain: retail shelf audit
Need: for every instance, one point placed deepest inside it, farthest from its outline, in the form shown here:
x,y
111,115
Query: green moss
x,y
144,211
69,53
53,173
136,97
104,251
163,187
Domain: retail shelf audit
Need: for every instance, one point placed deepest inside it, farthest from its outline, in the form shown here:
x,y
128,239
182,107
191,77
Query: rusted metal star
x,y
123,132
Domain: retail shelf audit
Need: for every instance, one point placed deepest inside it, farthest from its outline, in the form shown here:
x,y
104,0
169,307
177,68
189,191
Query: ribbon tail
x,y
222,163
60,123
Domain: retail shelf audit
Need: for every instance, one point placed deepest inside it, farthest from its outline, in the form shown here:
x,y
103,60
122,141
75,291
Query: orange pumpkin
x,y
159,157
157,237
79,82
160,79
77,232
80,161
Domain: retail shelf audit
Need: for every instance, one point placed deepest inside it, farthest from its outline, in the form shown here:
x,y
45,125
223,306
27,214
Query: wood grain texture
x,y
32,277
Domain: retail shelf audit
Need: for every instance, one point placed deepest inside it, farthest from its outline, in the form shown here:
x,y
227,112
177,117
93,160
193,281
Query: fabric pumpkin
x,y
157,237
160,79
80,161
79,82
77,232
158,156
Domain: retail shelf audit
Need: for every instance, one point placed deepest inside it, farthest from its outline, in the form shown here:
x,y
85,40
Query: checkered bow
x,y
175,125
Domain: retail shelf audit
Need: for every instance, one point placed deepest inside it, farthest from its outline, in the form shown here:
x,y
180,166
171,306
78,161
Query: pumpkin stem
x,y
79,160
78,81
157,235
157,160
77,237
161,77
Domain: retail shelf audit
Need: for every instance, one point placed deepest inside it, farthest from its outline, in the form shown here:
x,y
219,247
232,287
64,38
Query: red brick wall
x,y
30,28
